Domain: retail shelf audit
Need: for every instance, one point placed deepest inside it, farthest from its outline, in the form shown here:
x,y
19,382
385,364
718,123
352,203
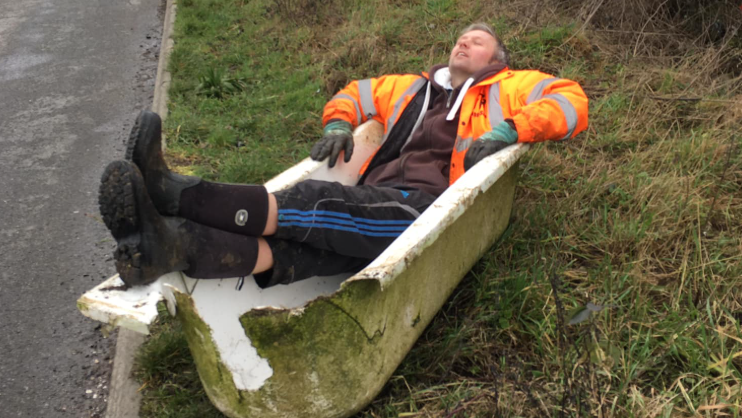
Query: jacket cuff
x,y
525,133
337,126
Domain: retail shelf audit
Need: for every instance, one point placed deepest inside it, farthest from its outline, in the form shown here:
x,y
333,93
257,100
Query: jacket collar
x,y
440,76
442,80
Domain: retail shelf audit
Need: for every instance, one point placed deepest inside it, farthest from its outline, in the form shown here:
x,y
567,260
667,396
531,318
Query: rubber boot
x,y
145,150
237,208
151,245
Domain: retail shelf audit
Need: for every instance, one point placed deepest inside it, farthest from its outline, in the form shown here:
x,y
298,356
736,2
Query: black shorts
x,y
326,228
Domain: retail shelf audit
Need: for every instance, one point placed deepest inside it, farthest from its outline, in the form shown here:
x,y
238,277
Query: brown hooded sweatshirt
x,y
424,161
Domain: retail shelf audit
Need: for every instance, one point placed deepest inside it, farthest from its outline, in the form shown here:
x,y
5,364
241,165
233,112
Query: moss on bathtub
x,y
322,337
82,306
217,379
332,357
322,334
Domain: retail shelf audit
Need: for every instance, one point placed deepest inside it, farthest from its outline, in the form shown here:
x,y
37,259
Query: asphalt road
x,y
73,75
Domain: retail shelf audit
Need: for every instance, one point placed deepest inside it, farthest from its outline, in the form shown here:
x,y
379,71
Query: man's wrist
x,y
338,127
504,132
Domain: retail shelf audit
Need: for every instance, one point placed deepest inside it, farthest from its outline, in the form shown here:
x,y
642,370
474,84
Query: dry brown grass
x,y
647,205
642,213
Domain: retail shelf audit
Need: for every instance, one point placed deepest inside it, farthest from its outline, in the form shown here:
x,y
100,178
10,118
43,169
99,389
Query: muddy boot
x,y
145,150
238,208
151,245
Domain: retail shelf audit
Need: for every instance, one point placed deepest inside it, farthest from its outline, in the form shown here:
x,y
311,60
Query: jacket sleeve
x,y
552,108
371,98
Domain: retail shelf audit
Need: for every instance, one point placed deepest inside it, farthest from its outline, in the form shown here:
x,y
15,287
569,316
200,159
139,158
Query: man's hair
x,y
502,54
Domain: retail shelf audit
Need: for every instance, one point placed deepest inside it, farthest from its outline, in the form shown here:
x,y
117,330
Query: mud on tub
x,y
324,347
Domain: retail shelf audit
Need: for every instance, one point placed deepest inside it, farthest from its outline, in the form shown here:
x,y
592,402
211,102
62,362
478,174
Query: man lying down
x,y
437,125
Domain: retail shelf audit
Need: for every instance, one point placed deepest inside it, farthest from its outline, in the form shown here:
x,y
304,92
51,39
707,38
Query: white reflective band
x,y
355,103
421,116
412,90
493,104
570,114
367,98
459,99
462,144
538,89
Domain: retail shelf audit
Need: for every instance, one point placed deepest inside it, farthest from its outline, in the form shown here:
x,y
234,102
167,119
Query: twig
x,y
704,70
673,99
691,99
584,25
721,181
633,32
463,404
561,341
636,46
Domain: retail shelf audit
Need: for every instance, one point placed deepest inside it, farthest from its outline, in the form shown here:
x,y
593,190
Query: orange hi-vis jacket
x,y
541,106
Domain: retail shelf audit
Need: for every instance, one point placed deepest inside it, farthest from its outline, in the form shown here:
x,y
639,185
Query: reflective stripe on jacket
x,y
541,106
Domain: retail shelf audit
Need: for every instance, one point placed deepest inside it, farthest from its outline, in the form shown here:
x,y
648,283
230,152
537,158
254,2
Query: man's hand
x,y
499,137
337,136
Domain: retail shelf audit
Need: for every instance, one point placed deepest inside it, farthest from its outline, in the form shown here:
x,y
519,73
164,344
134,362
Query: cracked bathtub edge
x,y
363,296
204,350
346,345
237,353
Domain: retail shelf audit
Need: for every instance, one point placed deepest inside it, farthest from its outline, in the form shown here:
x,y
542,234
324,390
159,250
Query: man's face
x,y
473,51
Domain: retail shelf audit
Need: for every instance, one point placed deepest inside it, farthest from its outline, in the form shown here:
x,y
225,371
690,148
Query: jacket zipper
x,y
450,96
401,166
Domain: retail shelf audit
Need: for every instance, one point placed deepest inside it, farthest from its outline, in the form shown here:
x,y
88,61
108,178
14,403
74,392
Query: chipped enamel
x,y
220,306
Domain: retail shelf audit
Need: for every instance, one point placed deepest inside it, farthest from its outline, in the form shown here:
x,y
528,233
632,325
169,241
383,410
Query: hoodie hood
x,y
441,80
440,75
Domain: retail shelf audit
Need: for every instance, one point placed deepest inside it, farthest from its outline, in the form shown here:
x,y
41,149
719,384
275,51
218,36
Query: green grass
x,y
641,214
172,387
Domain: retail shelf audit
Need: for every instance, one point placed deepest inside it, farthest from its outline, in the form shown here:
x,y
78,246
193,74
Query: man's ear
x,y
494,55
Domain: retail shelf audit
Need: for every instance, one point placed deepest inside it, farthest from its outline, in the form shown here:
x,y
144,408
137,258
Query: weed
x,y
215,83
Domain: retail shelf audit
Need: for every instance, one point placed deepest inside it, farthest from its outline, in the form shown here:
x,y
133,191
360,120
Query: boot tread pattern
x,y
116,200
132,142
118,208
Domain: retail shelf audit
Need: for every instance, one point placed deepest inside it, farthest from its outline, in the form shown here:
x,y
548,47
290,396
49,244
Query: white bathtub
x,y
325,347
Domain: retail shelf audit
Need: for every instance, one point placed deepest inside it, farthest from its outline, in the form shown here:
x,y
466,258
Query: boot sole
x,y
118,207
146,124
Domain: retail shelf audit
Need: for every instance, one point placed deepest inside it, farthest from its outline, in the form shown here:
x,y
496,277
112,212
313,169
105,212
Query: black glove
x,y
481,149
337,137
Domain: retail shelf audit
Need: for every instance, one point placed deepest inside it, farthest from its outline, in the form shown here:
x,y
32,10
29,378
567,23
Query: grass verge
x,y
616,289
